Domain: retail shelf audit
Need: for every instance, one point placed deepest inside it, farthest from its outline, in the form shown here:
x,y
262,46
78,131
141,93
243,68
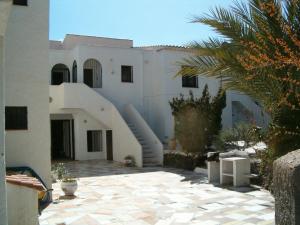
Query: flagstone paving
x,y
111,194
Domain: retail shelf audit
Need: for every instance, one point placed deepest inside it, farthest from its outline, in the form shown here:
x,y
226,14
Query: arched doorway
x,y
60,74
92,73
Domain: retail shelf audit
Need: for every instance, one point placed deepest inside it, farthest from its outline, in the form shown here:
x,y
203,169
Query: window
x,y
190,82
20,2
94,140
16,118
126,72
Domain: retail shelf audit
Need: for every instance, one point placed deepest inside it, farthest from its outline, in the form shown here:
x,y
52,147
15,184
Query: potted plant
x,y
129,161
68,183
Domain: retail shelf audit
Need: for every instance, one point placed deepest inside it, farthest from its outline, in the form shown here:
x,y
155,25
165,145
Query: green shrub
x,y
184,161
267,158
198,120
227,139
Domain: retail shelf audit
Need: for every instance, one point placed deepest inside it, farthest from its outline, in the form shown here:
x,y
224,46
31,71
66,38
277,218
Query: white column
x,y
3,204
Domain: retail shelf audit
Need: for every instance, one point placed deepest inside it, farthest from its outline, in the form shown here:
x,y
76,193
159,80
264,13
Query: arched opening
x,y
60,74
74,72
92,73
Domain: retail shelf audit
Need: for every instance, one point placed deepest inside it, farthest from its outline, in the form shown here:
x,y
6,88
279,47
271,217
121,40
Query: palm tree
x,y
258,54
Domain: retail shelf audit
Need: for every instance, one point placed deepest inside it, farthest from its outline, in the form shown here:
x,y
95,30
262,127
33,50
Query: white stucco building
x,y
109,87
24,90
88,97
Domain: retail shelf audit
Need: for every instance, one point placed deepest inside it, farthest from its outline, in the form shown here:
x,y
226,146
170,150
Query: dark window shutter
x,y
20,2
16,118
189,81
127,74
90,141
94,141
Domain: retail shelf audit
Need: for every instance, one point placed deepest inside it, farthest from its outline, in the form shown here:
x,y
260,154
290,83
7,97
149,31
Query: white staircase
x,y
71,96
152,148
149,158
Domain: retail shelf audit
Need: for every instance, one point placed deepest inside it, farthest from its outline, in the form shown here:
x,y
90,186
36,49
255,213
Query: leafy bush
x,y
181,161
198,120
228,138
267,158
62,173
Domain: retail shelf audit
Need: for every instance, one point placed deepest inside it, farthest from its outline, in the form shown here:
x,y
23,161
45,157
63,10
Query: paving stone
x,y
111,194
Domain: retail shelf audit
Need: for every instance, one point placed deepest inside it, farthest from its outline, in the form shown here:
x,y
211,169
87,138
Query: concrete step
x,y
148,154
149,160
151,165
148,157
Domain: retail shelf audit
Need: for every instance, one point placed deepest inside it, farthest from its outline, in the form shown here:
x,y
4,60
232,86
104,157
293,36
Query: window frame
x,y
185,84
131,74
23,125
20,2
90,145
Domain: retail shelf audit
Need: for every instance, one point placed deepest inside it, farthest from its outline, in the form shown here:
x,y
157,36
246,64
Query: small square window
x,y
190,81
20,2
127,74
16,118
94,141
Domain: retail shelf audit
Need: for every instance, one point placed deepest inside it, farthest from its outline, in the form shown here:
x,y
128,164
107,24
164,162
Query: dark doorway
x,y
62,139
88,77
57,78
109,145
60,74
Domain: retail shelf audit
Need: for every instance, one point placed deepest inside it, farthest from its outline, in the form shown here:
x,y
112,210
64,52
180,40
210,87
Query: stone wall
x,y
286,178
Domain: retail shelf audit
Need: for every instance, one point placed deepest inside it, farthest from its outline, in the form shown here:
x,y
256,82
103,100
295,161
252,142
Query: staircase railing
x,y
134,117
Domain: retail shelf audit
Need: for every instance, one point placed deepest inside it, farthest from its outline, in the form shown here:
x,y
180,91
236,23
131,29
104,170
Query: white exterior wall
x,y
27,69
97,113
111,60
82,123
154,82
22,205
5,8
3,219
160,71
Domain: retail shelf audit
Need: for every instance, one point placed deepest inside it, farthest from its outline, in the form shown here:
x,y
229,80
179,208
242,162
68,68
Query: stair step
x,y
151,165
149,160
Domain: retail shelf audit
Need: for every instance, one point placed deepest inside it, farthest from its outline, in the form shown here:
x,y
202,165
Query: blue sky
x,y
146,22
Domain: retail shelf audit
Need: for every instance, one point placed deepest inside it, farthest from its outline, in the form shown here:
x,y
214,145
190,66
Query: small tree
x,y
198,120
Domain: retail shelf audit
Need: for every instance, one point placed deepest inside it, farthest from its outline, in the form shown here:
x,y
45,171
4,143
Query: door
x,y
88,77
61,140
57,143
109,145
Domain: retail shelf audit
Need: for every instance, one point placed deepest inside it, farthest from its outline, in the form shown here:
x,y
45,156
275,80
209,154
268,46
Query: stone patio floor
x,y
110,194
